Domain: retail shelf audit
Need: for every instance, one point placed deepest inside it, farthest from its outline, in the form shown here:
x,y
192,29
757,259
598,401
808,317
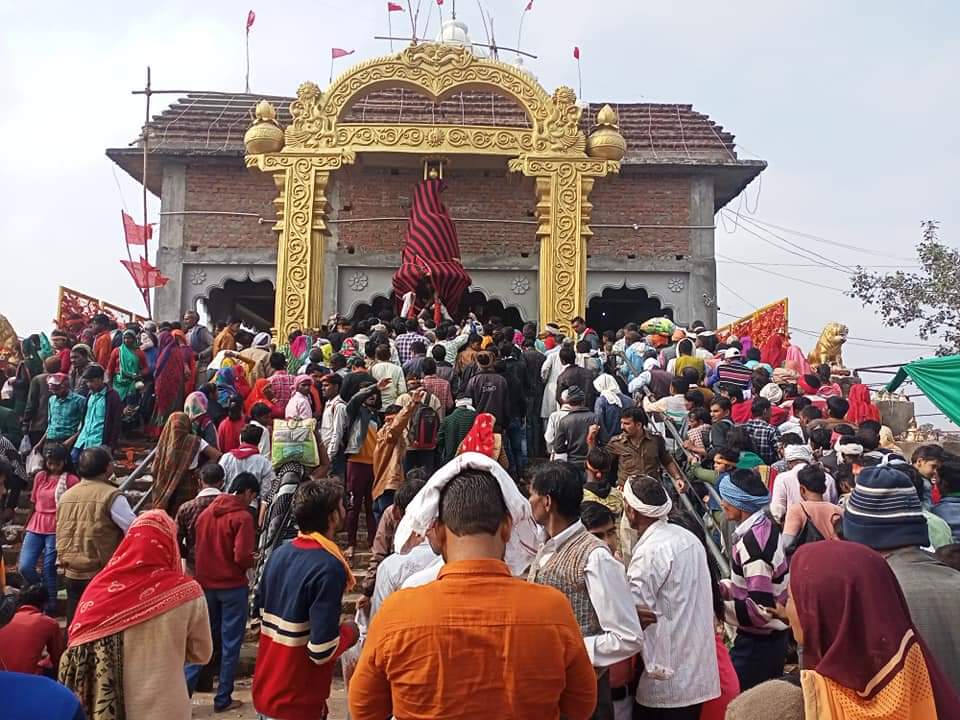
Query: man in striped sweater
x,y
299,601
758,580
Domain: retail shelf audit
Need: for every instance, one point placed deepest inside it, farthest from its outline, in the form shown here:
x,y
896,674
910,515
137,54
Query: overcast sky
x,y
853,106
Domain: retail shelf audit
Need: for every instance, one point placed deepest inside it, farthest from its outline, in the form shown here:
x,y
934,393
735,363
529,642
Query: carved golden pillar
x,y
301,182
563,186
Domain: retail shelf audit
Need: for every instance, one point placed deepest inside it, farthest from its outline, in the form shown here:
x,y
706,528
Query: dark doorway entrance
x,y
473,301
618,306
252,301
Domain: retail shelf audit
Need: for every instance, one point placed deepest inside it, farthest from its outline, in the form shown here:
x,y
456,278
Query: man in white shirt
x,y
247,459
582,567
383,368
396,569
668,573
261,417
786,488
333,423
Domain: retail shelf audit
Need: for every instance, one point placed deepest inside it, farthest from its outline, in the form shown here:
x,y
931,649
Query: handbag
x,y
34,463
295,440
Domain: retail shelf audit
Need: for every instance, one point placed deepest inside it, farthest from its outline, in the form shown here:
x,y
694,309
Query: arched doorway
x,y
615,307
250,300
473,301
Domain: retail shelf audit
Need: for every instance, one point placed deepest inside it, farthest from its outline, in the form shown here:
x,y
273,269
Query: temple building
x,y
644,227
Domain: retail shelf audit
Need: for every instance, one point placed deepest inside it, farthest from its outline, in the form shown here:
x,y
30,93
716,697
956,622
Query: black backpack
x,y
424,427
808,534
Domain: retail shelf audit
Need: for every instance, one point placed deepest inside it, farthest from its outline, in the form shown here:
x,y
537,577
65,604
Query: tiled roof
x,y
212,122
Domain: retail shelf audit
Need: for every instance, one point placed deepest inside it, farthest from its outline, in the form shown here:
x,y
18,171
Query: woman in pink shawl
x,y
797,362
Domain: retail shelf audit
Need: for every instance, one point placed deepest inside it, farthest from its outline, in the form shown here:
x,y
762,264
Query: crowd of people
x,y
581,525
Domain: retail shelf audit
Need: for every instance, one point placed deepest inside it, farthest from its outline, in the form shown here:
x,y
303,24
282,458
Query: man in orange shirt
x,y
103,343
477,643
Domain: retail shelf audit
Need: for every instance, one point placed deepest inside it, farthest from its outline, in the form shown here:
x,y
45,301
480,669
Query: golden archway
x,y
553,150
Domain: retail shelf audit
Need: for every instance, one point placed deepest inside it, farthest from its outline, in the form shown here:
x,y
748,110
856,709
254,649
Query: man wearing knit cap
x,y
786,489
758,580
668,574
884,513
573,428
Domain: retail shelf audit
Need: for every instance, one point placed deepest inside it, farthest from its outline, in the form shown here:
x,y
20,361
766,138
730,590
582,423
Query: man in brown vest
x,y
582,567
92,518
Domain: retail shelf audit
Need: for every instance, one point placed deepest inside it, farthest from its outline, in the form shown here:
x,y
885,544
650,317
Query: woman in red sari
x,y
169,383
139,621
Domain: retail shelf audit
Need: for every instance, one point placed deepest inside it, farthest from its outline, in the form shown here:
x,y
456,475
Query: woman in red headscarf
x,y
774,351
138,622
862,655
482,439
860,406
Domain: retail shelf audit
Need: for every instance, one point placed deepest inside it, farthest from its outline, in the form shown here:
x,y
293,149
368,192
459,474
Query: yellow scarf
x,y
331,547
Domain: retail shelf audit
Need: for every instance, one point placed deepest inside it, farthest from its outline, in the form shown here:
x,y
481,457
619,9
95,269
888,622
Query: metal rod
x,y
144,292
871,368
483,45
208,212
138,471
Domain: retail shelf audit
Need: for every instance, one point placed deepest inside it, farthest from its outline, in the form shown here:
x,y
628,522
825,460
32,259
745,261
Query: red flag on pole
x,y
251,17
394,7
439,2
135,234
340,52
576,52
529,6
145,275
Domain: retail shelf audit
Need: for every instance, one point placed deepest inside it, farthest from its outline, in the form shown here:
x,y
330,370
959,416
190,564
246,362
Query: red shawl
x,y
142,580
860,406
774,351
480,437
256,396
855,620
169,376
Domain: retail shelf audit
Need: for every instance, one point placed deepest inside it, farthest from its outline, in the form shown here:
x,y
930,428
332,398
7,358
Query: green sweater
x,y
453,430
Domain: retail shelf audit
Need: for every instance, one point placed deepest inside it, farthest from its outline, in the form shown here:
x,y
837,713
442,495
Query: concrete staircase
x,y
129,457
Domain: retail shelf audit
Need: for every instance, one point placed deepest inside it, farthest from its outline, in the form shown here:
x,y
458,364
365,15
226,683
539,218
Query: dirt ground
x,y
203,703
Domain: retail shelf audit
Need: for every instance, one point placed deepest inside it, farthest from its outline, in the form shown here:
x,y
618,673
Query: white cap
x,y
731,353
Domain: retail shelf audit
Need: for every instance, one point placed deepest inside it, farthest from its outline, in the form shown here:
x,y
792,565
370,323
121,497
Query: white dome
x,y
454,32
518,64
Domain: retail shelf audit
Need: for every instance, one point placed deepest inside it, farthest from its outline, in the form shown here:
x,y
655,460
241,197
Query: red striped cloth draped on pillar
x,y
431,252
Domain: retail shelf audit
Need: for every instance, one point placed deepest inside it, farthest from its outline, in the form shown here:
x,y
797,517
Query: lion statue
x,y
829,345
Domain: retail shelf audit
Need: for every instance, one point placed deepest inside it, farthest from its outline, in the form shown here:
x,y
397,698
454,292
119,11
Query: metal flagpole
x,y
146,249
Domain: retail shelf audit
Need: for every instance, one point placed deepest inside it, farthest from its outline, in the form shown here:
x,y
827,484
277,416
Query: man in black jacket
x,y
514,370
573,428
489,391
573,374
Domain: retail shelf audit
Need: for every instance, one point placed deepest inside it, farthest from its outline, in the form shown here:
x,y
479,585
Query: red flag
x,y
576,52
145,275
251,16
394,7
340,52
439,2
529,6
133,233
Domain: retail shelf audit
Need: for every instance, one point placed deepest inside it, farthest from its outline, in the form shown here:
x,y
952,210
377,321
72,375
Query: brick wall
x,y
364,192
645,200
228,187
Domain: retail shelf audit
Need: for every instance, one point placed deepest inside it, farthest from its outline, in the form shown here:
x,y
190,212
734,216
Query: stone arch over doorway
x,y
614,307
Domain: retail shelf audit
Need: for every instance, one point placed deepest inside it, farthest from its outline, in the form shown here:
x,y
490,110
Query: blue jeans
x,y
33,545
228,622
380,506
516,436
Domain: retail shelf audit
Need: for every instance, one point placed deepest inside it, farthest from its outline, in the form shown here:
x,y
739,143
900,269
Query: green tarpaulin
x,y
939,378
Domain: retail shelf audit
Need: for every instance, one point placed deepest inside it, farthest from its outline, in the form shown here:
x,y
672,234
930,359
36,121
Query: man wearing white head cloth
x,y
478,642
668,573
786,488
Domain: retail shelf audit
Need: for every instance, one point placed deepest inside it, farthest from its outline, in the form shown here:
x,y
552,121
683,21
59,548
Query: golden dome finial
x,y
608,116
265,135
265,112
606,142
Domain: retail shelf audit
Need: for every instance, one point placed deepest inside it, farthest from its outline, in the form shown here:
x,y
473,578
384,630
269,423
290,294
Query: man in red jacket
x,y
225,544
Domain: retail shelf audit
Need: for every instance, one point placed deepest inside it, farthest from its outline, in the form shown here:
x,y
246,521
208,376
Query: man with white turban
x,y
668,573
478,642
786,488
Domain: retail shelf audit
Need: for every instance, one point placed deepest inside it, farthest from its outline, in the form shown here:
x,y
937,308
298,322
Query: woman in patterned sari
x,y
140,620
169,384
